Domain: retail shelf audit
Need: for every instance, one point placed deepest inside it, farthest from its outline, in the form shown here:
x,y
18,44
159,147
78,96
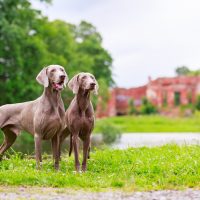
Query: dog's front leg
x,y
75,142
55,141
86,145
57,156
38,150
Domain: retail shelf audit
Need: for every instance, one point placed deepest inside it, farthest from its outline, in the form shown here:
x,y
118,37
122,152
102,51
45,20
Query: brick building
x,y
169,92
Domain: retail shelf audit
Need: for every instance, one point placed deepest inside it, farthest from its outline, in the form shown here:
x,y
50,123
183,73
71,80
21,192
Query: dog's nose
x,y
92,84
62,77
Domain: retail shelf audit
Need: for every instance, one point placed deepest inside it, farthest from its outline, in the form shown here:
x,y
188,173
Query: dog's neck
x,y
83,100
52,96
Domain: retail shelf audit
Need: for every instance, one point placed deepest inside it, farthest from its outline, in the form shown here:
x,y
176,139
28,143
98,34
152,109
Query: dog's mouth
x,y
92,87
58,86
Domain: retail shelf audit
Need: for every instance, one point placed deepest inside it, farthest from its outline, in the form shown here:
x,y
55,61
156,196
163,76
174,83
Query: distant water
x,y
126,140
156,139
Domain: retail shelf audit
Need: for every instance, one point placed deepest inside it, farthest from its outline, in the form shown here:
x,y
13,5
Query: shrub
x,y
147,107
197,106
110,133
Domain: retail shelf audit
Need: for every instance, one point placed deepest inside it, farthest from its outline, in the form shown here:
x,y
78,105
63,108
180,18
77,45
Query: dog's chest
x,y
54,124
86,122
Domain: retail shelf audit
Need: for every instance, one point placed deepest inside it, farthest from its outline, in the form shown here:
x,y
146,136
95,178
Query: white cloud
x,y
146,37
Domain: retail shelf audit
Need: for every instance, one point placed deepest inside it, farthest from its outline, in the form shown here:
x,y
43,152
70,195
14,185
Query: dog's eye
x,y
61,69
92,77
84,77
53,70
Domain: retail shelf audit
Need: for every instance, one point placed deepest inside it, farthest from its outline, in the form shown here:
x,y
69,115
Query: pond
x,y
25,142
156,139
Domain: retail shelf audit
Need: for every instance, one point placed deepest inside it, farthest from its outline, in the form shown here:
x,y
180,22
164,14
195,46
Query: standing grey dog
x,y
80,116
44,117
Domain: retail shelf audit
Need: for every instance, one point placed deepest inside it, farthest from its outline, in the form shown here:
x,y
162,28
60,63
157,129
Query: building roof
x,y
189,80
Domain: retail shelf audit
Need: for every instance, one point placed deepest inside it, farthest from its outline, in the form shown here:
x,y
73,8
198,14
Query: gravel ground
x,y
61,194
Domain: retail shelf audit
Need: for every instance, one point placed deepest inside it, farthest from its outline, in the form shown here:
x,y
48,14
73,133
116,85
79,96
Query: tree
x,y
20,50
183,70
186,71
28,45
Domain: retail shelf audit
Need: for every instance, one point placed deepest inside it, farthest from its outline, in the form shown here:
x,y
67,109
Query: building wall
x,y
161,92
186,87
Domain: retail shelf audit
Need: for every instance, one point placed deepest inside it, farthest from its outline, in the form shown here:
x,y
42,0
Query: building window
x,y
177,98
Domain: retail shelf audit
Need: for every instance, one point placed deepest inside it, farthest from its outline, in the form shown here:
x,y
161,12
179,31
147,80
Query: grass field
x,y
144,168
152,123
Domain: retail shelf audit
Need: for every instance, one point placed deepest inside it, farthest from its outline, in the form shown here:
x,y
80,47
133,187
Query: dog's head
x,y
85,81
53,76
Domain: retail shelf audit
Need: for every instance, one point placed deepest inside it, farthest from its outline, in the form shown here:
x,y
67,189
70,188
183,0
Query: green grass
x,y
152,123
144,168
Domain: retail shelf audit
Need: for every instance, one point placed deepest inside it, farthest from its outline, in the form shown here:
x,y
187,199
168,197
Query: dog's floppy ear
x,y
42,77
66,79
96,88
74,84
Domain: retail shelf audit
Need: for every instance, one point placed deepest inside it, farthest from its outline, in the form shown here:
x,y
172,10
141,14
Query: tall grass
x,y
144,168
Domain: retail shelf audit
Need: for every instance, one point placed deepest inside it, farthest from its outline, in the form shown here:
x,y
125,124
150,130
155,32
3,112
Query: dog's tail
x,y
70,145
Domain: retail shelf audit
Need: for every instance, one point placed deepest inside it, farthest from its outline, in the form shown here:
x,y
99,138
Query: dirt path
x,y
12,193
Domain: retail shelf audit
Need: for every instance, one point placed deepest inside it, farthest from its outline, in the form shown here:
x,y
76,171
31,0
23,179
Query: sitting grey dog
x,y
80,116
44,117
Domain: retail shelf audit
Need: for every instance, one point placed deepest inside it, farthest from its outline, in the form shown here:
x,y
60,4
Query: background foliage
x,y
29,41
185,71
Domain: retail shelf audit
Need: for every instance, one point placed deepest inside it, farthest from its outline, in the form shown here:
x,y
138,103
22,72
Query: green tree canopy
x,y
183,70
29,41
186,71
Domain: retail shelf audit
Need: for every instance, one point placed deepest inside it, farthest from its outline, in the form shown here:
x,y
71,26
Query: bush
x,y
110,133
147,107
197,106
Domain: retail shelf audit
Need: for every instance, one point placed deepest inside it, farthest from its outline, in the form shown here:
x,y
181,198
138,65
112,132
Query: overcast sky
x,y
144,37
